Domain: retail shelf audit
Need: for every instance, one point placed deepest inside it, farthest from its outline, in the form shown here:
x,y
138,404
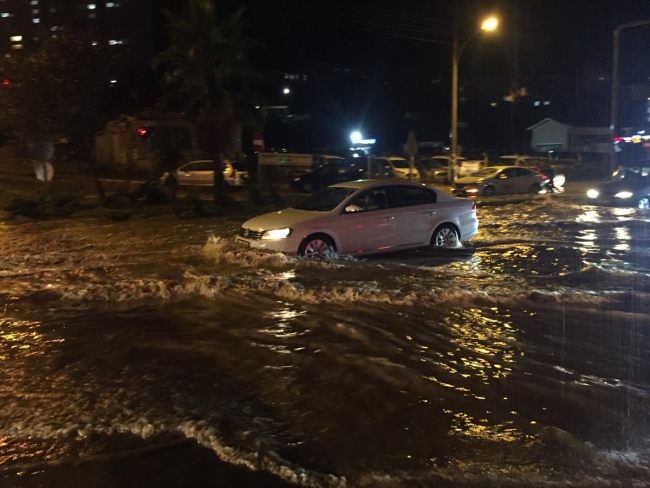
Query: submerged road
x,y
154,351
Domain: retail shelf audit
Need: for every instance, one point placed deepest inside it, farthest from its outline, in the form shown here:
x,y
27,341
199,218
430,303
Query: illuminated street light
x,y
355,137
286,91
488,25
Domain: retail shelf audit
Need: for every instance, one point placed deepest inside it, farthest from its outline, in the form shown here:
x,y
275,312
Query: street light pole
x,y
489,24
613,126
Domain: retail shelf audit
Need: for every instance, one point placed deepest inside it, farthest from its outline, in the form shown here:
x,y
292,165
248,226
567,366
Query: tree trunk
x,y
219,184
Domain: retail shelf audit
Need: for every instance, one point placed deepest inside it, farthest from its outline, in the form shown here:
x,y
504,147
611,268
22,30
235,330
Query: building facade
x,y
128,23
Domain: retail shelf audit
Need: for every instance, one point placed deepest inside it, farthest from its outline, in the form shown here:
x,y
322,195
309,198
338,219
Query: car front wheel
x,y
644,203
445,236
317,246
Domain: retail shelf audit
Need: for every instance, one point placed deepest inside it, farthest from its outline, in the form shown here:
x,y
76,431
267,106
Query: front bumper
x,y
286,246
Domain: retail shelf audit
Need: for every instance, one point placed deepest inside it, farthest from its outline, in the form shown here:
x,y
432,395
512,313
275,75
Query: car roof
x,y
362,184
390,157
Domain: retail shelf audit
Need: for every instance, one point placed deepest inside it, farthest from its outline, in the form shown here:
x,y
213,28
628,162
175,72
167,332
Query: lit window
x,y
112,42
113,81
92,16
91,6
36,11
54,36
4,15
536,103
94,43
16,38
54,27
110,4
34,2
36,21
546,102
17,46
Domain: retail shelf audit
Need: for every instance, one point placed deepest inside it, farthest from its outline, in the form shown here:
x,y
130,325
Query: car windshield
x,y
400,163
325,200
485,172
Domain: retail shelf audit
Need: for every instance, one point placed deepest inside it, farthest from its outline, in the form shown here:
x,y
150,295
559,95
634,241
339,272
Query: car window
x,y
409,196
325,200
199,166
509,172
400,163
523,172
373,199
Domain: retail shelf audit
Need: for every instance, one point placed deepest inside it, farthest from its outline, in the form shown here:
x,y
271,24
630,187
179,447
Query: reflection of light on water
x,y
18,335
623,212
281,325
622,234
588,237
589,216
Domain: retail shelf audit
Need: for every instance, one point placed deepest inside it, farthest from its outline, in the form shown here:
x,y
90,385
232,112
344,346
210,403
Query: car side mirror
x,y
352,209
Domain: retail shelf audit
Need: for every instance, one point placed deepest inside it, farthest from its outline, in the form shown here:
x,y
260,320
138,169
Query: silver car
x,y
499,180
201,173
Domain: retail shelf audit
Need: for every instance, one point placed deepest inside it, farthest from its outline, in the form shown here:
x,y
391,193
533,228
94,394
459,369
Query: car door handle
x,y
388,219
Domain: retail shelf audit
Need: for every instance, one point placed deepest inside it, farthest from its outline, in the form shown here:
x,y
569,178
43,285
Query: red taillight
x,y
474,207
544,177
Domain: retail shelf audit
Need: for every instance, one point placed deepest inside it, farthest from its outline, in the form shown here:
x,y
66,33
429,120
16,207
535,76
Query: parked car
x,y
201,173
394,167
536,163
627,187
317,161
326,175
499,180
364,217
432,169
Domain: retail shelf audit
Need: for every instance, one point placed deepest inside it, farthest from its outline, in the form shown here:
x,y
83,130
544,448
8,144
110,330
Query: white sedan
x,y
201,173
364,217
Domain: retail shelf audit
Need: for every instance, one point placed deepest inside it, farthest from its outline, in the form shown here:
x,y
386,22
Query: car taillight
x,y
474,207
544,177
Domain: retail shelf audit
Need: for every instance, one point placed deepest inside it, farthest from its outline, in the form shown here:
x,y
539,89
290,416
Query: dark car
x,y
629,187
326,175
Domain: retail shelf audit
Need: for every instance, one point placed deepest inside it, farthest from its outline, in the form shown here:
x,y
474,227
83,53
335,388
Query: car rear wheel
x,y
489,191
534,189
317,246
445,236
644,203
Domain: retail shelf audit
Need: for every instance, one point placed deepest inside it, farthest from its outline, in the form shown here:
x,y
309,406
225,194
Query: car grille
x,y
251,234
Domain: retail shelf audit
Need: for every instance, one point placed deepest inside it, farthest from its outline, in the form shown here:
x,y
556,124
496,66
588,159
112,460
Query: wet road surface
x,y
522,359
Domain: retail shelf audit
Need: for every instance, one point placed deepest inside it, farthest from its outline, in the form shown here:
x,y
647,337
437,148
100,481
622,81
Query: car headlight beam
x,y
593,193
624,194
276,234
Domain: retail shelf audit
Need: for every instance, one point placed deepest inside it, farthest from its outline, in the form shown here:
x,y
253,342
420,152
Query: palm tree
x,y
209,76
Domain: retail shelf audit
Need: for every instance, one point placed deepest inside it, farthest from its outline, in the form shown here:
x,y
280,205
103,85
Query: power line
x,y
350,22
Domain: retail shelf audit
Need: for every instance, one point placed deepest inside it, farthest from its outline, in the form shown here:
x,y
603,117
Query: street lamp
x,y
286,91
615,82
355,137
489,24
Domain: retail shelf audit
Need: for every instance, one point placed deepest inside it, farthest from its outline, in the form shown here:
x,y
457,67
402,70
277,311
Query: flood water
x,y
521,360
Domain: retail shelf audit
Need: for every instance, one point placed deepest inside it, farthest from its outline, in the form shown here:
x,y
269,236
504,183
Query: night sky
x,y
393,59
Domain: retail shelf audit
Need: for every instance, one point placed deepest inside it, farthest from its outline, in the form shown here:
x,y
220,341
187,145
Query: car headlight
x,y
275,234
472,190
593,193
624,194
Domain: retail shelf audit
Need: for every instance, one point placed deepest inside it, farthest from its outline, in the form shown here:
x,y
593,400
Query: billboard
x,y
285,159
